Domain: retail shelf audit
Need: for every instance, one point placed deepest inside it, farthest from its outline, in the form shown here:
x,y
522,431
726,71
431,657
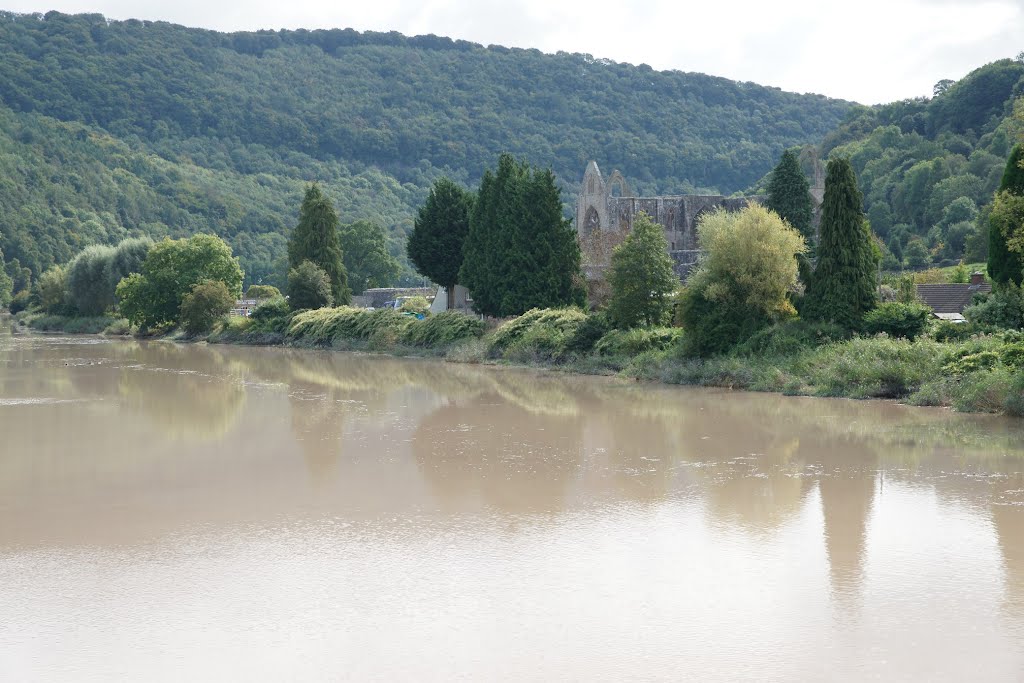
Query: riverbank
x,y
947,368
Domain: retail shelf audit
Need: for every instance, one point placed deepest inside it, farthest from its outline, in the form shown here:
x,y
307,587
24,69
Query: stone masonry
x,y
608,206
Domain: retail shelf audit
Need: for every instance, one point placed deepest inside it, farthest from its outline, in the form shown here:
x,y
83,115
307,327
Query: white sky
x,y
869,51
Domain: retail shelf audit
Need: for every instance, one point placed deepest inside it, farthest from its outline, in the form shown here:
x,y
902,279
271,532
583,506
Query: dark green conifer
x,y
1004,265
789,194
435,246
315,239
842,289
520,252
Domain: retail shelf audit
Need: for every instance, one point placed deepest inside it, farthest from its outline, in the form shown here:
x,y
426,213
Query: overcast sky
x,y
869,51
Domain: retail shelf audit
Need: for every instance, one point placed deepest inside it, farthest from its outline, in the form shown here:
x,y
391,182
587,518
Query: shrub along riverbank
x,y
949,365
957,366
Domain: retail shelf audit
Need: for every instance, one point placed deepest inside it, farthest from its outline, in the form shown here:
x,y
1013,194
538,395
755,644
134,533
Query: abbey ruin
x,y
605,210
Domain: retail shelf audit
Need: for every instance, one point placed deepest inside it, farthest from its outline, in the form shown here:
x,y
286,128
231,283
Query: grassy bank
x,y
100,324
949,366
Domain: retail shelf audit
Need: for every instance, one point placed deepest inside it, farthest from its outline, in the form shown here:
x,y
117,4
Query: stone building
x,y
607,207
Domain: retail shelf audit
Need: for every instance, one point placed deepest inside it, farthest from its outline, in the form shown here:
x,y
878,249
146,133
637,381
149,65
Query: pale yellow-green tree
x,y
52,289
744,281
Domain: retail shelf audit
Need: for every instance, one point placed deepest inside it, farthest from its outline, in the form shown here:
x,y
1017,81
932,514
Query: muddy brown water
x,y
212,513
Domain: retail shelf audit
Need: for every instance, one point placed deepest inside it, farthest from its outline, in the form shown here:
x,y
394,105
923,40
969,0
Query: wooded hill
x,y
115,128
928,167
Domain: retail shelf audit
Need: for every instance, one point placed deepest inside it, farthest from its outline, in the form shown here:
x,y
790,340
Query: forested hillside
x,y
114,128
928,167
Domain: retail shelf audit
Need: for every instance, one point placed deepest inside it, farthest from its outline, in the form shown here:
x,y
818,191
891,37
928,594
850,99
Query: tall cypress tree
x,y
520,253
435,246
789,194
1005,265
315,239
842,288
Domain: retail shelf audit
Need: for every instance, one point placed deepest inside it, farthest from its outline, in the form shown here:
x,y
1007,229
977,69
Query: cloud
x,y
872,51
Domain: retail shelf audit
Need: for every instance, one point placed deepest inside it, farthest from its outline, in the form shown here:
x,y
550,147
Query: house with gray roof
x,y
948,301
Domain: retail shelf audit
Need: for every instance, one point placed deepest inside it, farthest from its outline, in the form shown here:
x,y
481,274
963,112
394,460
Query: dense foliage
x,y
365,255
915,158
93,274
1006,224
435,245
315,239
843,287
117,128
208,302
641,277
789,194
153,296
520,252
898,319
309,287
6,284
743,283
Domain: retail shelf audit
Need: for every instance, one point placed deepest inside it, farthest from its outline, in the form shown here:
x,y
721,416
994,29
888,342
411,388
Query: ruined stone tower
x,y
609,207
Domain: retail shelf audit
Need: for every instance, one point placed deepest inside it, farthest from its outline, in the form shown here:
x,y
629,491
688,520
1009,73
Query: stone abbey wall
x,y
606,206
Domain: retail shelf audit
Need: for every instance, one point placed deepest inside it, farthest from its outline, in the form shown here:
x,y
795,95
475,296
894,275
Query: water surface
x,y
212,513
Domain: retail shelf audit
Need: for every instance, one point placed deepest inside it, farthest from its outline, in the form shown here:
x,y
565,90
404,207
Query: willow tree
x,y
843,286
315,239
744,281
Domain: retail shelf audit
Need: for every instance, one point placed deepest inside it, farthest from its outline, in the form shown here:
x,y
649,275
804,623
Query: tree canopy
x,y
789,194
436,243
172,268
744,282
520,252
6,284
843,287
641,277
1006,224
365,255
914,158
315,239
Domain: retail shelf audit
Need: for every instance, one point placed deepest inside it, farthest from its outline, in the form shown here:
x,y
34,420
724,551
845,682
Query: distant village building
x,y
244,307
606,209
948,301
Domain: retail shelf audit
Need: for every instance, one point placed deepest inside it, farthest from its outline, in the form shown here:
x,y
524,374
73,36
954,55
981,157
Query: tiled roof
x,y
950,298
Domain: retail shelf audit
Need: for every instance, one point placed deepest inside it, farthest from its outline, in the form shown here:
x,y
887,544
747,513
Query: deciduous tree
x,y
208,302
745,280
309,286
367,260
641,278
172,267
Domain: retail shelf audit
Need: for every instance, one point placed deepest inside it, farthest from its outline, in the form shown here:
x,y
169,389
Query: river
x,y
217,513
